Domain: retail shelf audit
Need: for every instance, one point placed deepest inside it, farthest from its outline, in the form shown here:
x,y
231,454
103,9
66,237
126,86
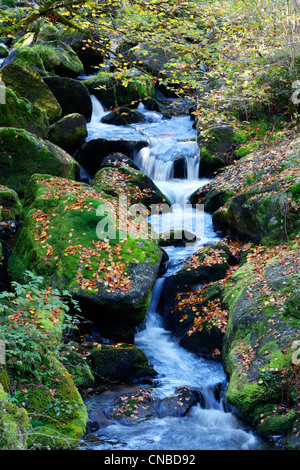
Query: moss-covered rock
x,y
25,56
81,240
112,91
134,184
13,424
10,205
258,196
59,59
79,369
3,52
23,154
120,363
72,95
215,144
22,114
27,83
69,133
261,331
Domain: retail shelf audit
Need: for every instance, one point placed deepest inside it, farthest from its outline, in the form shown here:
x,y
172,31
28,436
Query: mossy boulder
x,y
134,184
10,205
259,342
23,154
22,114
123,116
215,144
90,248
3,52
79,369
113,91
25,56
257,197
120,363
13,424
69,133
27,83
59,59
72,96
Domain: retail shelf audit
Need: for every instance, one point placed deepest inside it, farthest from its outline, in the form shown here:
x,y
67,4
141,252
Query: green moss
x,y
59,59
10,204
277,424
27,83
244,150
112,91
20,113
23,154
13,424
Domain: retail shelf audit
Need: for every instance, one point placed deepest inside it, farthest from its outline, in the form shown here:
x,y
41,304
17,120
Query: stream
x,y
213,425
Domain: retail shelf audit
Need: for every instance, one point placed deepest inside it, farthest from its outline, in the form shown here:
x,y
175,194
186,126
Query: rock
x,y
20,113
215,145
26,83
10,205
178,404
3,52
28,58
13,424
69,133
22,154
261,339
176,238
134,184
72,96
109,267
79,369
112,92
120,363
123,117
257,198
59,59
94,151
116,160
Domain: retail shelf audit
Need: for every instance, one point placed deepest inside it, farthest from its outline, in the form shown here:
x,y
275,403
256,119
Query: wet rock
x,y
123,117
69,133
72,96
94,151
27,83
22,154
120,363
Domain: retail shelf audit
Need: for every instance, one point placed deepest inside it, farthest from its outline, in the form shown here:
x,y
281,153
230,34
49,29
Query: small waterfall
x,y
98,110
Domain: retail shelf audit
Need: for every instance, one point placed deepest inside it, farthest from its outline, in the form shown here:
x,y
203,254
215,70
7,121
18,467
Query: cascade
x,y
210,424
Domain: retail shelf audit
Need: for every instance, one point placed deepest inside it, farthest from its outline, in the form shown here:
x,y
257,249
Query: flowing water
x,y
211,425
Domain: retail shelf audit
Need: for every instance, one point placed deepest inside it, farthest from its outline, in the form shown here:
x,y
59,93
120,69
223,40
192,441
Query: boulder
x,y
123,116
121,363
13,424
72,96
81,240
257,197
26,57
22,114
134,184
59,59
22,154
94,151
113,91
10,205
27,83
260,350
69,133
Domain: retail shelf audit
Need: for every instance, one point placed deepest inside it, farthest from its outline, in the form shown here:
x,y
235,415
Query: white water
x,y
213,426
